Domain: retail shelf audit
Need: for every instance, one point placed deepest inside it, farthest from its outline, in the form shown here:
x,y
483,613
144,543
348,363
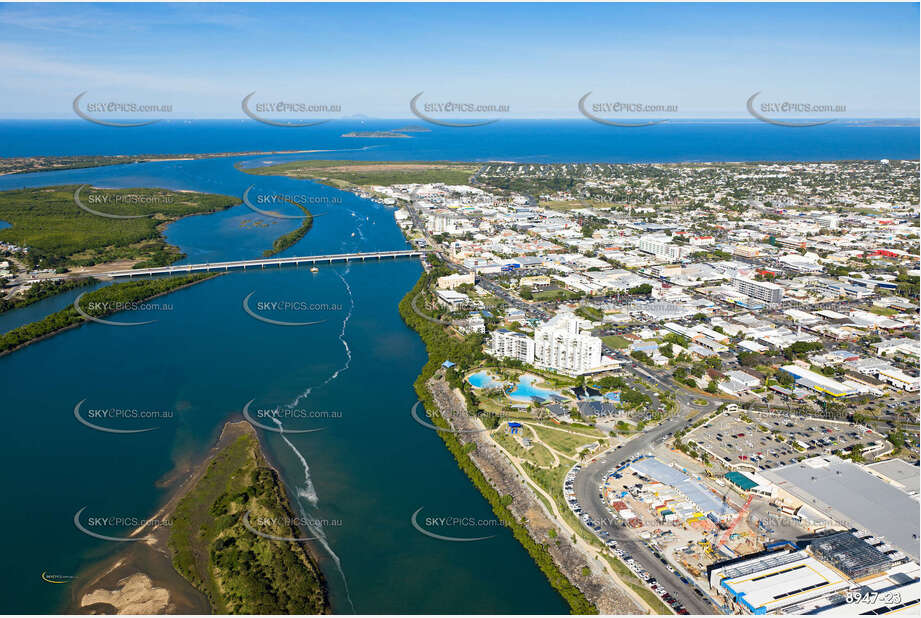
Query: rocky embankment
x,y
597,586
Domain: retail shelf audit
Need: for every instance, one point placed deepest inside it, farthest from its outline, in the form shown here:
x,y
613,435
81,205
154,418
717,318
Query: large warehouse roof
x,y
853,497
772,589
705,500
901,472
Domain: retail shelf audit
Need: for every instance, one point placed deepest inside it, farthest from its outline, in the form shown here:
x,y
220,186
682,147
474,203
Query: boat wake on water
x,y
307,492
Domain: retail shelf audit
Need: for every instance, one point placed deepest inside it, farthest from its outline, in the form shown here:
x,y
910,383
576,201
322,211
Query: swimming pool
x,y
482,379
526,391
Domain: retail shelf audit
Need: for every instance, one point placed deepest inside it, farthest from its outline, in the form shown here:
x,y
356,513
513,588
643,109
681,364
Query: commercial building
x,y
748,251
683,496
820,383
450,282
894,347
774,582
852,497
765,291
899,379
898,472
509,344
839,288
455,301
661,247
559,345
842,573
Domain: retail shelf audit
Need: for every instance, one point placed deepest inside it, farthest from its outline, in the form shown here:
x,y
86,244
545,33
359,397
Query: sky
x,y
536,59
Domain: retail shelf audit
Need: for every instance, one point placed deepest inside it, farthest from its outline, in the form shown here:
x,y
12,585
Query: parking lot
x,y
770,440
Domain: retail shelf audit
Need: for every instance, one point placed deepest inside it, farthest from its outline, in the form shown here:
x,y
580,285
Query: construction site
x,y
689,517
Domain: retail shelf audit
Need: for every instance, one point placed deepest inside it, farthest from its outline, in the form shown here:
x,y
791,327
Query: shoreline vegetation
x,y
441,347
239,571
26,165
349,175
120,294
205,530
43,290
60,234
291,238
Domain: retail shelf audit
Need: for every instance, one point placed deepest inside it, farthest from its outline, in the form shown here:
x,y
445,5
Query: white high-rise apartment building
x,y
509,344
762,290
559,345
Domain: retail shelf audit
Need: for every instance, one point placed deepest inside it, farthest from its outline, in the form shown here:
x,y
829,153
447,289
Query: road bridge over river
x,y
266,262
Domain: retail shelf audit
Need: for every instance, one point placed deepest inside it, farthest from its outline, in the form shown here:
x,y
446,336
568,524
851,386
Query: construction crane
x,y
736,521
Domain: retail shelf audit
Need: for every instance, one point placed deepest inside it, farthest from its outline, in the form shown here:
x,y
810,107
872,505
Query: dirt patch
x,y
136,594
104,268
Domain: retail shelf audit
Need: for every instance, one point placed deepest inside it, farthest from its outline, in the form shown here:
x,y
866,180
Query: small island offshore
x,y
377,134
226,545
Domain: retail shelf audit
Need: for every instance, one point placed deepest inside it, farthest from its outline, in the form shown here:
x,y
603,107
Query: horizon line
x,y
424,123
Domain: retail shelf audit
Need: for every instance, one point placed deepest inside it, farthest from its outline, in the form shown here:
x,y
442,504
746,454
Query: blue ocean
x,y
507,140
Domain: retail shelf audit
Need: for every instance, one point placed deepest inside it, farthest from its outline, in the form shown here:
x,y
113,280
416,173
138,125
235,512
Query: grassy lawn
x,y
557,294
616,342
586,430
561,441
884,311
537,454
344,173
551,481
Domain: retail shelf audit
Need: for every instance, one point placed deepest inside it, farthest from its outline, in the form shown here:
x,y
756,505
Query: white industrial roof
x,y
786,584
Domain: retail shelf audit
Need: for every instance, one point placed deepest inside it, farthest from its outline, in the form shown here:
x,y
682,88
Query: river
x,y
370,467
365,473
